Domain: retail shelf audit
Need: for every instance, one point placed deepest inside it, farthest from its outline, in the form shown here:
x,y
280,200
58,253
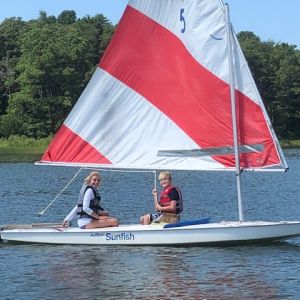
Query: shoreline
x,y
17,154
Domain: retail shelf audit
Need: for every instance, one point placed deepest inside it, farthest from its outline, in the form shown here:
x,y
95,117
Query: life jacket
x,y
165,199
94,203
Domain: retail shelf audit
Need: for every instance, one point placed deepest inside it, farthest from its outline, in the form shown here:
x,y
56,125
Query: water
x,y
118,272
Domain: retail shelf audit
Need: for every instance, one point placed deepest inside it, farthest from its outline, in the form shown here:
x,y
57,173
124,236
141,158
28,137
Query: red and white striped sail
x,y
160,97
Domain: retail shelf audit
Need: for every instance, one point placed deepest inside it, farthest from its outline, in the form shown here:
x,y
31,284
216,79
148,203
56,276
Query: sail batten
x,y
212,151
161,87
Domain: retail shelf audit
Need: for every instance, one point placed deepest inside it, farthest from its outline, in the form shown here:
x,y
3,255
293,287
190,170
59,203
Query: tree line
x,y
45,63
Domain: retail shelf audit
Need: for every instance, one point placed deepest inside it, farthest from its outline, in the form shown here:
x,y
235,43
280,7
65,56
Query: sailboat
x,y
173,91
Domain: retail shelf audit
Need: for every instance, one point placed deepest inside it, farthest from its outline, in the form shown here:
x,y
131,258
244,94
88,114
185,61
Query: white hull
x,y
212,233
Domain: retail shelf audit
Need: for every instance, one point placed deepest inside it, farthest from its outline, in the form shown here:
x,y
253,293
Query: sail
x,y
160,97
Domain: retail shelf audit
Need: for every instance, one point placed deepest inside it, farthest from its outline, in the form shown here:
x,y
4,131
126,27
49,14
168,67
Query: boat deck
x,y
28,226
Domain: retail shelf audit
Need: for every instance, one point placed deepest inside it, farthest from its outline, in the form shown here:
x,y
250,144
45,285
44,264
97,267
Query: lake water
x,y
117,272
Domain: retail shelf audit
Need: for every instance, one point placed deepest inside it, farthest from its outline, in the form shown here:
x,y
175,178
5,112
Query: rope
x,y
43,211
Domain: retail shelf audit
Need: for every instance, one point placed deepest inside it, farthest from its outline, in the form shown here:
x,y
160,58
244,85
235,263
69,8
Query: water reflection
x,y
95,272
164,273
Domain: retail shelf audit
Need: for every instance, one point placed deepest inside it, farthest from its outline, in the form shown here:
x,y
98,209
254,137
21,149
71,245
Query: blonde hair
x,y
165,173
89,177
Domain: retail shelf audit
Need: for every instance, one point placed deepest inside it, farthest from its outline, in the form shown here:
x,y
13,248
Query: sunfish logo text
x,y
119,237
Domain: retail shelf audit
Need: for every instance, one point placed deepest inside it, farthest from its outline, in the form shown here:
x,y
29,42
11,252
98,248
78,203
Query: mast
x,y
234,116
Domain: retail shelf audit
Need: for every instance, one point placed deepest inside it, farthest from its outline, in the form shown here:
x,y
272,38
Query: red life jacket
x,y
165,199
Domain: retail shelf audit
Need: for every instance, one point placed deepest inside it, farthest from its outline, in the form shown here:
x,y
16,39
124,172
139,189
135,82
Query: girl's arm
x,y
72,214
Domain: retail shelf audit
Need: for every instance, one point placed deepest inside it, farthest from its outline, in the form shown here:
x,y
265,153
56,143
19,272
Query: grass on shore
x,y
290,143
16,145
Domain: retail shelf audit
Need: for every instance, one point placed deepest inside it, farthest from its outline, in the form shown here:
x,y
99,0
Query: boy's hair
x,y
165,173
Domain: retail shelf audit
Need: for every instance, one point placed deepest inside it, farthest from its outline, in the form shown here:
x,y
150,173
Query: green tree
x,y
275,68
67,17
45,69
286,68
44,18
10,30
50,69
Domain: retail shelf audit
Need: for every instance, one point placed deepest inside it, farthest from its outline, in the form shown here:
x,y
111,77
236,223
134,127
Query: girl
x,y
91,214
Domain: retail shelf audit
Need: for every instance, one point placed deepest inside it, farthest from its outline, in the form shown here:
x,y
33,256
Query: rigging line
x,y
43,211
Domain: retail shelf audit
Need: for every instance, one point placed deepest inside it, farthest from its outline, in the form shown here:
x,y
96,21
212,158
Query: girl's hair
x,y
89,177
165,173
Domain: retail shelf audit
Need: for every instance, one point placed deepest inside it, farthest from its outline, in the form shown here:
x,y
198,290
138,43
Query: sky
x,y
275,20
